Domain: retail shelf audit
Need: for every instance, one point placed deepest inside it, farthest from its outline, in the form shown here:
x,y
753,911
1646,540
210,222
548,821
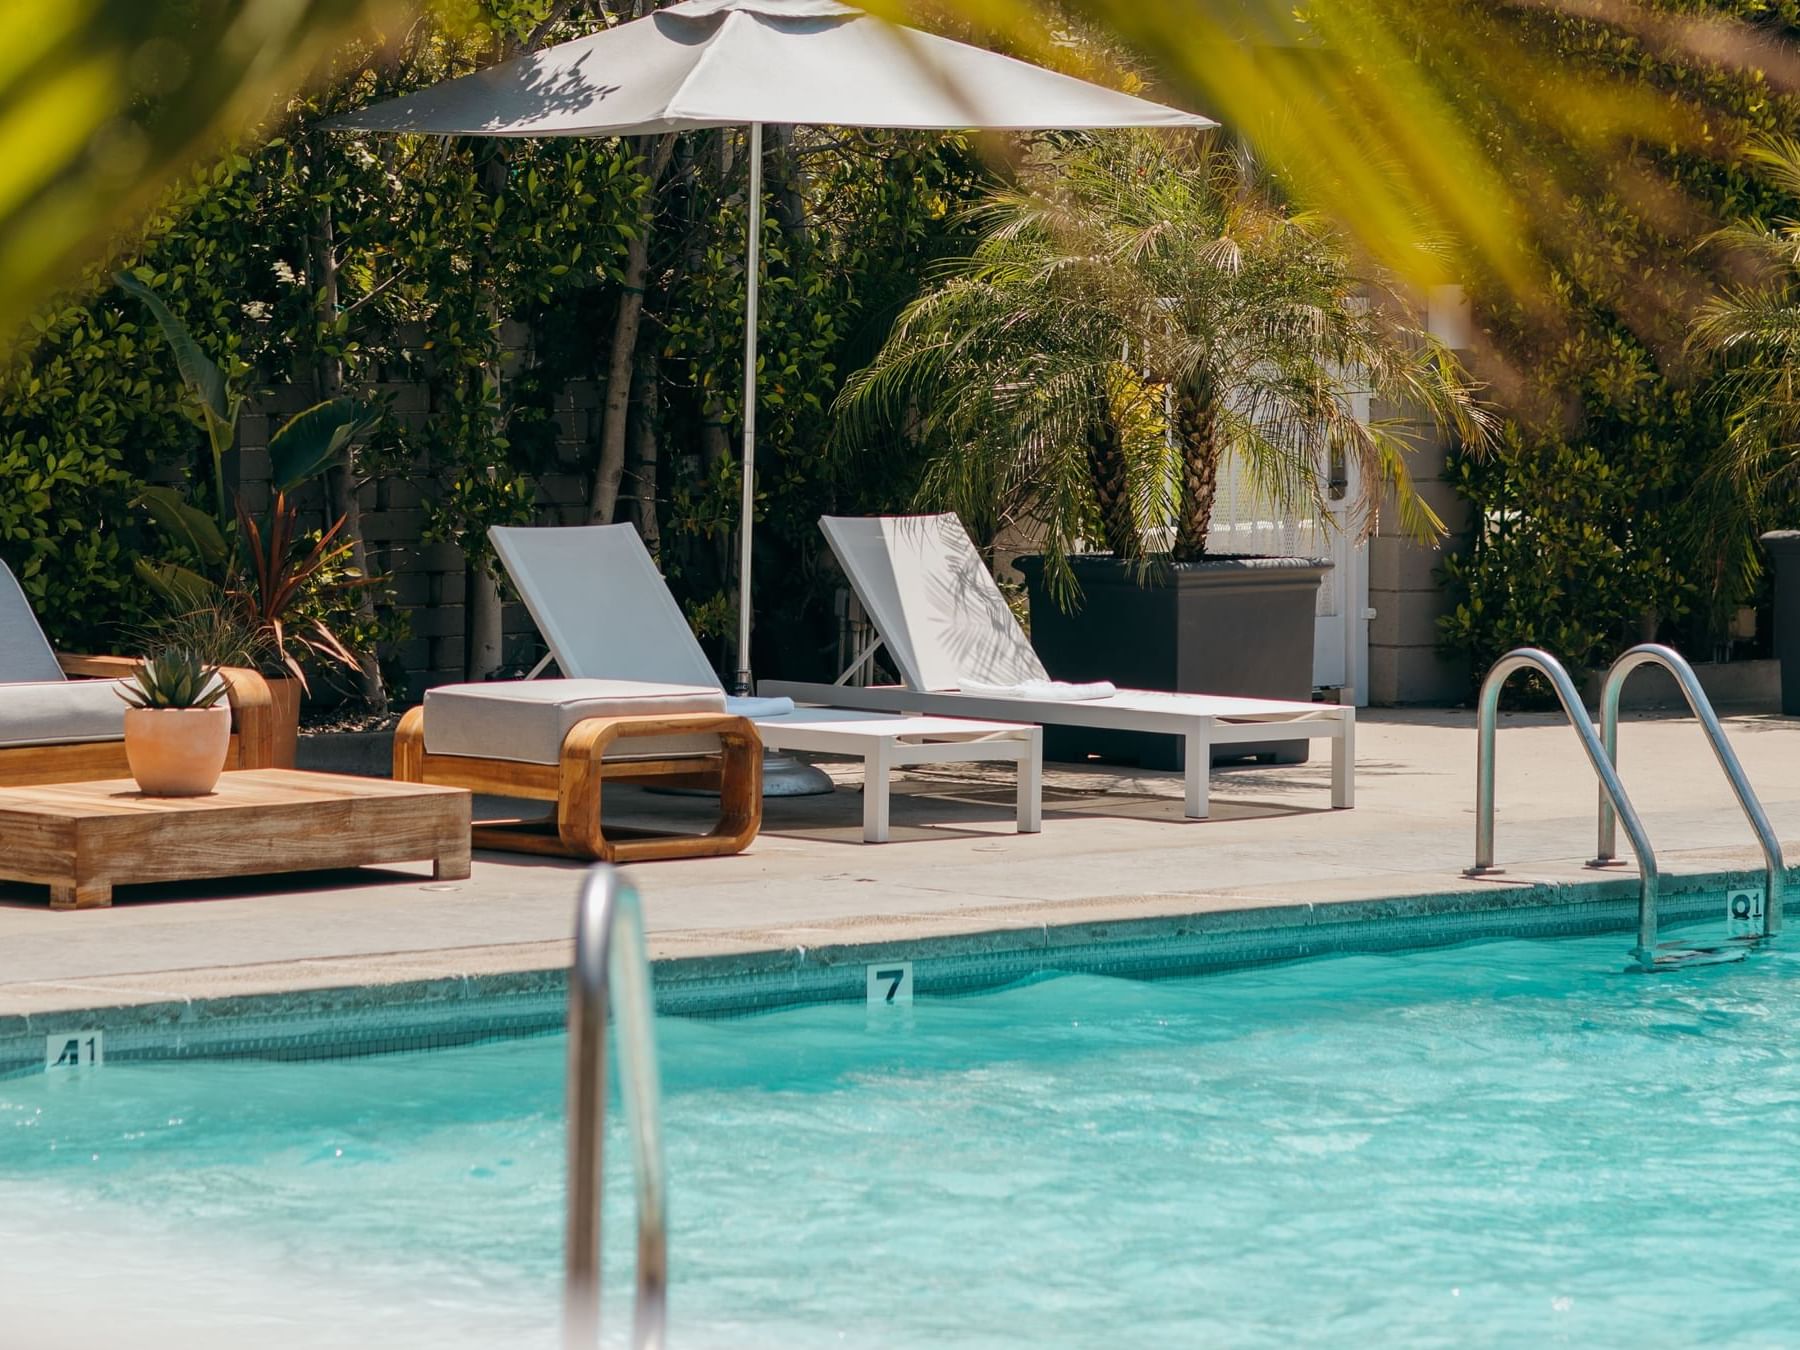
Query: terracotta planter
x,y
177,752
284,712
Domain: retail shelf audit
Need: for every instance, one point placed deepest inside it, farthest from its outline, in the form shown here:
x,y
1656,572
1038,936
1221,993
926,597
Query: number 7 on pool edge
x,y
890,983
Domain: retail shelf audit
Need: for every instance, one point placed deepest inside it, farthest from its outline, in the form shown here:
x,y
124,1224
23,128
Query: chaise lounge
x,y
54,729
605,612
961,653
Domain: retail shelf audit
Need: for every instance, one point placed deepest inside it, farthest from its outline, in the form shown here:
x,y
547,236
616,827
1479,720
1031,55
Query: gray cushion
x,y
61,712
527,719
24,650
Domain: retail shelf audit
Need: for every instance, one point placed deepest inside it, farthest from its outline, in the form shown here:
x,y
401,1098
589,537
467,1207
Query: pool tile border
x,y
417,1015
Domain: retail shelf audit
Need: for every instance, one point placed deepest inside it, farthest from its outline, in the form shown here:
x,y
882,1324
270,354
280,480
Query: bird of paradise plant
x,y
284,584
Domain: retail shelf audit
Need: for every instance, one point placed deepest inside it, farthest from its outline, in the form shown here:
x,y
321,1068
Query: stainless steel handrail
x,y
1531,657
1654,654
610,966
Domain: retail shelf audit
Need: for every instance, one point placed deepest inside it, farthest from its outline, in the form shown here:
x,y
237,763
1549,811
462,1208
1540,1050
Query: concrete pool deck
x,y
1114,848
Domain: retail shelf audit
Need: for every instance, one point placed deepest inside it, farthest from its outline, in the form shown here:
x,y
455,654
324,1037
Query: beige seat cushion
x,y
61,712
527,720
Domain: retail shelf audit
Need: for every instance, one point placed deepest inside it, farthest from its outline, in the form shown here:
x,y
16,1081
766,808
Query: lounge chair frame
x,y
574,829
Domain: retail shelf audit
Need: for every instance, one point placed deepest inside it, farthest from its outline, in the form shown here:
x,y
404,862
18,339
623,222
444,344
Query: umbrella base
x,y
782,776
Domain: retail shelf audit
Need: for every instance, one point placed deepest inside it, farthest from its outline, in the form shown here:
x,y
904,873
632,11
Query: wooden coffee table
x,y
82,839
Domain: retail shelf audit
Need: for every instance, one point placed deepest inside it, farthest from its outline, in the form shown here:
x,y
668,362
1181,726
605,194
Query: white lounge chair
x,y
607,614
936,608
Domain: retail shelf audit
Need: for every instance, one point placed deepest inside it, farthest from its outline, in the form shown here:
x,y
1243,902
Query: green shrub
x,y
1598,521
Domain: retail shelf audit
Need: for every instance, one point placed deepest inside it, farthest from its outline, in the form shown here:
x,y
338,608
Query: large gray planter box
x,y
1218,626
1784,552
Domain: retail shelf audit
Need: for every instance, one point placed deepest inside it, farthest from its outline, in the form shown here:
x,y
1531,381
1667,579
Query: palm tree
x,y
1136,312
1756,325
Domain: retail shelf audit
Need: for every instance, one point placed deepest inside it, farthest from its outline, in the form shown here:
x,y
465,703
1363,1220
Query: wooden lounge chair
x,y
563,740
54,729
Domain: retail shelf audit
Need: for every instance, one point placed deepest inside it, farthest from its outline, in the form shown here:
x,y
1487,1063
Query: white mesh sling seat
x,y
961,652
606,614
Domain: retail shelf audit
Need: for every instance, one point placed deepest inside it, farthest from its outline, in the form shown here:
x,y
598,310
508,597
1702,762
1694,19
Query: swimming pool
x,y
1500,1143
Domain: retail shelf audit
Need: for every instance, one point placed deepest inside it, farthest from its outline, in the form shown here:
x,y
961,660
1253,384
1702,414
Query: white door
x,y
1242,523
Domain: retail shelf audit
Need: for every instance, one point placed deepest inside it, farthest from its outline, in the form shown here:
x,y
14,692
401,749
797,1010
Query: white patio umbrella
x,y
714,63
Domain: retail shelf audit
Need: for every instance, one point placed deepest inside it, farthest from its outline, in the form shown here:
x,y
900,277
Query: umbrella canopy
x,y
709,63
712,63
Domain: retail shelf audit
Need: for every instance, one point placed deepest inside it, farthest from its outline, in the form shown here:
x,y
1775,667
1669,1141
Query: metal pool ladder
x,y
610,967
1615,804
1654,654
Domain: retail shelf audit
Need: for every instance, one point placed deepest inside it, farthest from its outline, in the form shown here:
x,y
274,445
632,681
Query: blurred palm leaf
x,y
1441,135
103,102
1363,106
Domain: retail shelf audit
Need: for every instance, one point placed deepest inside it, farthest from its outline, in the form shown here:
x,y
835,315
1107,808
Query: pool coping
x,y
336,1013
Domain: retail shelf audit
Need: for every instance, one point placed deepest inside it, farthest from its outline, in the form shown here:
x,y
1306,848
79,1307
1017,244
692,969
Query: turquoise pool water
x,y
1501,1144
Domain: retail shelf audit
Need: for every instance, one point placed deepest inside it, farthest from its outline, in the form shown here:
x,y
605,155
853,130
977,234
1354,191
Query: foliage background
x,y
1602,519
482,282
481,289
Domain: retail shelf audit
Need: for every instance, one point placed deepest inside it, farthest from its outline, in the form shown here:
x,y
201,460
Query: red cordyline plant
x,y
286,584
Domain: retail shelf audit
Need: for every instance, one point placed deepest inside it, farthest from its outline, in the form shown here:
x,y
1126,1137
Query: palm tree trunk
x,y
1106,468
1197,427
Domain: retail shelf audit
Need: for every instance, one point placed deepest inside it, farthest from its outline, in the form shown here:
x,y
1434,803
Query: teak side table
x,y
82,839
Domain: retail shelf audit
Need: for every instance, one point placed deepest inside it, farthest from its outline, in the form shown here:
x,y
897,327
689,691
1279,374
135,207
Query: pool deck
x,y
1114,848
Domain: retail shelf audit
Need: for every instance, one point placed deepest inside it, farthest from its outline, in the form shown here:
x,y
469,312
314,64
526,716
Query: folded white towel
x,y
1043,690
758,707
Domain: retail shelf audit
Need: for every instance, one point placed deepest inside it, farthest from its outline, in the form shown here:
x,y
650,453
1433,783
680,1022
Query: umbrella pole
x,y
747,515
782,776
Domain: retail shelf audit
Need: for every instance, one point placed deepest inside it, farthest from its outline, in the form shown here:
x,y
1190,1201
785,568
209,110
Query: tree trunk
x,y
610,468
482,627
706,185
788,201
481,622
1197,425
340,478
645,420
1112,488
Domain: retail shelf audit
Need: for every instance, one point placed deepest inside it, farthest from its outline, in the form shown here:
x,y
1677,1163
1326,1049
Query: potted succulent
x,y
1139,313
178,727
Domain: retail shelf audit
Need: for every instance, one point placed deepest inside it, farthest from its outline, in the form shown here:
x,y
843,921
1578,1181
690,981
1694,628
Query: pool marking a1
x,y
74,1050
890,984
